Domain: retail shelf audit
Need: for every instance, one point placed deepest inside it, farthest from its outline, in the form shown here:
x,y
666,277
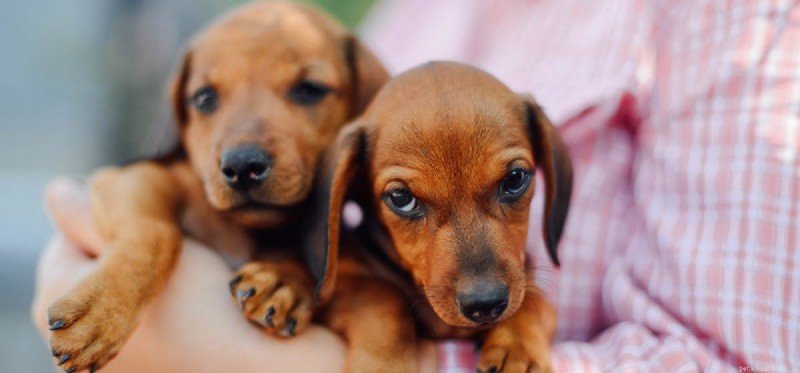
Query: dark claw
x,y
290,325
55,353
71,370
233,282
268,317
93,368
58,324
63,359
244,294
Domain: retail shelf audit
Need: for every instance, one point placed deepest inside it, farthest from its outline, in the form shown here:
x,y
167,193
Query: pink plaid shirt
x,y
683,118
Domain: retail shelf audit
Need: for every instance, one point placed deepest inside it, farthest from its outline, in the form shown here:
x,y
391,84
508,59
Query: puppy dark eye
x,y
403,203
308,93
205,100
514,185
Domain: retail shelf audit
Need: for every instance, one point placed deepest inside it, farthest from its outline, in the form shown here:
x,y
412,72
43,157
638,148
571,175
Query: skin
x,y
174,336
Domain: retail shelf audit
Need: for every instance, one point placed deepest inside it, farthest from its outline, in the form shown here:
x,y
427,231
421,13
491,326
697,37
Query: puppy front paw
x,y
512,356
89,325
277,297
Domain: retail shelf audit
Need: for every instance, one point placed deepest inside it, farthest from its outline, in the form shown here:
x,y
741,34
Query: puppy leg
x,y
135,210
276,293
375,319
521,343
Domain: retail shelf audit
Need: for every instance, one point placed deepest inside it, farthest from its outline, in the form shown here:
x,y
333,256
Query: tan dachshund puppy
x,y
442,162
258,97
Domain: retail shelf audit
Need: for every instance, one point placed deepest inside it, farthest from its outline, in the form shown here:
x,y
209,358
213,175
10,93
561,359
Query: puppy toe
x,y
492,360
299,318
287,312
274,309
512,359
92,357
66,311
250,290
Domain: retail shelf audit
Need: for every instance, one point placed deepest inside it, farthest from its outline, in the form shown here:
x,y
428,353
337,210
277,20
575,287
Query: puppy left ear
x,y
367,74
551,156
339,167
177,89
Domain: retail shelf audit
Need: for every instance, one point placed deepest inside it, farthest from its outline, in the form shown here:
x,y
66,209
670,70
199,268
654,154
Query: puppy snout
x,y
484,303
245,167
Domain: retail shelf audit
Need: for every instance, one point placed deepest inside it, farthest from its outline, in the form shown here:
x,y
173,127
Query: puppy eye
x,y
308,93
403,203
514,185
205,100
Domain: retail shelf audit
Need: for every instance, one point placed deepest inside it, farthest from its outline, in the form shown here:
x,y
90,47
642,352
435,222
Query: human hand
x,y
192,325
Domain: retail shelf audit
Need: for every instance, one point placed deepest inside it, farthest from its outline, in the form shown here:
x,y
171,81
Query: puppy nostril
x,y
229,173
256,170
498,309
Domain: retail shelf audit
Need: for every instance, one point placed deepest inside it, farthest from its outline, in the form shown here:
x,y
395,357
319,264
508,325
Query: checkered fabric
x,y
683,119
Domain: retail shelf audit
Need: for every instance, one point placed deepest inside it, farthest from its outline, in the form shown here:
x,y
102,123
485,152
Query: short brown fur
x,y
450,134
254,58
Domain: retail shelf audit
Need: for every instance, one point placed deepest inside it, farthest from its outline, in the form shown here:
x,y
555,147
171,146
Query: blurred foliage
x,y
349,12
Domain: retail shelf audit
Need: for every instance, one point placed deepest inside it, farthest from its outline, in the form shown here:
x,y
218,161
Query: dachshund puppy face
x,y
443,162
260,94
452,182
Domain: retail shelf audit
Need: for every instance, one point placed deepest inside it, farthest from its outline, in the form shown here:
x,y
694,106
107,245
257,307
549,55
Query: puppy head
x,y
446,156
259,95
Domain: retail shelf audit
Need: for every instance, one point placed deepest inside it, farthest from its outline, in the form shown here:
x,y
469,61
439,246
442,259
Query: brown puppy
x,y
442,162
258,96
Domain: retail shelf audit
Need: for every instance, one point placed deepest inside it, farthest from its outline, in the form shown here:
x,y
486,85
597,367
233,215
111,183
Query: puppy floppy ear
x,y
177,89
171,147
339,167
551,156
367,74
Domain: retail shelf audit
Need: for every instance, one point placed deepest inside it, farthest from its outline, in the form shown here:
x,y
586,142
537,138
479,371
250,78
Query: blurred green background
x,y
82,85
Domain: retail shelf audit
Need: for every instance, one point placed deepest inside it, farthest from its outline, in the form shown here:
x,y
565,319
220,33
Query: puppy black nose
x,y
245,167
484,303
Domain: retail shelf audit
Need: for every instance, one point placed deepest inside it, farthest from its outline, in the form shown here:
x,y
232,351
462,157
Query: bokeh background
x,y
82,85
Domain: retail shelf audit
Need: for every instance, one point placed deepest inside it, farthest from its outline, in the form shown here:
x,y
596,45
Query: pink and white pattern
x,y
683,117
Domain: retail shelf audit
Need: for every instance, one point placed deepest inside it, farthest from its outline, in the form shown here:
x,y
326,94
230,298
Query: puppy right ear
x,y
552,157
178,90
338,169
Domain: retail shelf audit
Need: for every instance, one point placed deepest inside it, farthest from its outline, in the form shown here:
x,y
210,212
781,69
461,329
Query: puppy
x,y
258,96
442,162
